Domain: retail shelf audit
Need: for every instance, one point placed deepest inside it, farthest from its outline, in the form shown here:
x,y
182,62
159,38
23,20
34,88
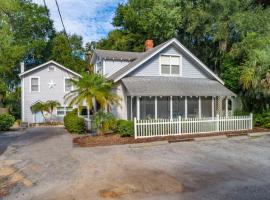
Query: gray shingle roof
x,y
117,55
174,86
140,58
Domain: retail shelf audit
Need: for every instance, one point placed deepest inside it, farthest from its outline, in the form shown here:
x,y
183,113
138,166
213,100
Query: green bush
x,y
6,121
125,128
74,123
104,122
262,119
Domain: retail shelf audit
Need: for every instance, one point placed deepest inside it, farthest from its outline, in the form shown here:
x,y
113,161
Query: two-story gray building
x,y
165,81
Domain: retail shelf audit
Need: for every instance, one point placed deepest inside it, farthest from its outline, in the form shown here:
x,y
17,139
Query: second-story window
x,y
170,65
99,67
35,84
68,85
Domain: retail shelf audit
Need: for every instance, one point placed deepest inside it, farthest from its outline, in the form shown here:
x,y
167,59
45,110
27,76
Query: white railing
x,y
181,126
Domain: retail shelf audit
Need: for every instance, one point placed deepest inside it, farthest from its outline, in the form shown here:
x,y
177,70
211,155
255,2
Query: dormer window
x,y
170,65
51,68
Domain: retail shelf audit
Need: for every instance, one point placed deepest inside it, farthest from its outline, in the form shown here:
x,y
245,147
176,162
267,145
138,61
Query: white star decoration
x,y
51,84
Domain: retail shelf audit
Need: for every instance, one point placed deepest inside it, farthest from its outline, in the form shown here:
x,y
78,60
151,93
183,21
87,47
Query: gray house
x,y
49,81
165,81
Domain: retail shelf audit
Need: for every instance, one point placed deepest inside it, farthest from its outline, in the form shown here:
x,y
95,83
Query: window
x,y
35,84
147,107
51,68
206,106
178,106
193,106
99,67
68,85
170,65
163,106
60,111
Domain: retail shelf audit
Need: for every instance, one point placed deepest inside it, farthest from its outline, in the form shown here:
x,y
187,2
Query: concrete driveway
x,y
47,166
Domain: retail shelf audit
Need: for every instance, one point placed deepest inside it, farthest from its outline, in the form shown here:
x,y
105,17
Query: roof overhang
x,y
47,63
174,86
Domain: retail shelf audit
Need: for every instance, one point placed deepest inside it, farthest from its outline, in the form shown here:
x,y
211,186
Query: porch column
x,y
131,109
171,108
213,107
186,107
226,106
200,107
156,108
138,107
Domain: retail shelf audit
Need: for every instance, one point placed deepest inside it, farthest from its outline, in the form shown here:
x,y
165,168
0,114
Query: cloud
x,y
88,18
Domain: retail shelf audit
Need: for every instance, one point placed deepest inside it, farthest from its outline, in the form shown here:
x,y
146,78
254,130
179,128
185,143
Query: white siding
x,y
120,111
55,93
152,66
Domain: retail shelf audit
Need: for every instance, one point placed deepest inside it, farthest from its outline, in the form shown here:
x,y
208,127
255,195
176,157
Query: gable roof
x,y
145,56
117,55
47,63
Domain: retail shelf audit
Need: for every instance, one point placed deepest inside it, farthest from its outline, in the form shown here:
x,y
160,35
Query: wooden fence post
x,y
135,127
217,123
179,125
251,120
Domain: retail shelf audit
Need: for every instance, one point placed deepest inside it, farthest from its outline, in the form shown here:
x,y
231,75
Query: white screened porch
x,y
171,107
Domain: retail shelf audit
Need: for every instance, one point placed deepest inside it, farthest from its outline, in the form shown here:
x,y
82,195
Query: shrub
x,y
6,121
125,128
262,119
74,123
104,122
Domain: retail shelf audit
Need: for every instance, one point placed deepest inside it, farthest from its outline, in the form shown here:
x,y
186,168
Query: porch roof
x,y
174,86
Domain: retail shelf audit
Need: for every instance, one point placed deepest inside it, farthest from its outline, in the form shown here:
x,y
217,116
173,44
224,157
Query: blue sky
x,y
88,18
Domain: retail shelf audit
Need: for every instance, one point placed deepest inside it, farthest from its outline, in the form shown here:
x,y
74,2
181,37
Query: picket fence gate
x,y
181,126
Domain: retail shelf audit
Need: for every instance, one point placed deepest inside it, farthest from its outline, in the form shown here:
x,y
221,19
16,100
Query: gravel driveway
x,y
45,165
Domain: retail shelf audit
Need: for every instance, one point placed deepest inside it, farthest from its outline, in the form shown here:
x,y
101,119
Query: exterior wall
x,y
120,111
55,93
152,66
111,66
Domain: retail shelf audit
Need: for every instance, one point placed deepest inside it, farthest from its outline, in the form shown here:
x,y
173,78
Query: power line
x,y
61,18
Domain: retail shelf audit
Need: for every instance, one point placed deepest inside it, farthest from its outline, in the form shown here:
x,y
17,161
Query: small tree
x,y
40,107
51,104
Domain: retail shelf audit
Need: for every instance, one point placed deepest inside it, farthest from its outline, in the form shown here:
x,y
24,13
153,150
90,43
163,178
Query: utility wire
x,y
61,18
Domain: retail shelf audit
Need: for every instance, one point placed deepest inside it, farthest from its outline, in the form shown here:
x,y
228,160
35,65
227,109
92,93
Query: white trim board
x,y
174,40
49,62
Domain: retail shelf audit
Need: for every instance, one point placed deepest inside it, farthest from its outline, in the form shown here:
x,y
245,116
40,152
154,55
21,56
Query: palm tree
x,y
40,107
51,104
91,88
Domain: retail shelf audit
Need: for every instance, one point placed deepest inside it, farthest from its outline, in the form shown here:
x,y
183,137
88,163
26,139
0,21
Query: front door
x,y
38,118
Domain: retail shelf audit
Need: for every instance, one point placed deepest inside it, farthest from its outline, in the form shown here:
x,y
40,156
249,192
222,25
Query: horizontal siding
x,y
151,67
45,94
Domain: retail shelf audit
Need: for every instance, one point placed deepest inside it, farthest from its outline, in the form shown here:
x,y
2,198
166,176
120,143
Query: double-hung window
x,y
68,85
35,84
170,65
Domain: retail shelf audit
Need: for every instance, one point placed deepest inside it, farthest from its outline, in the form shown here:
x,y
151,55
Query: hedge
x,y
74,123
125,128
6,121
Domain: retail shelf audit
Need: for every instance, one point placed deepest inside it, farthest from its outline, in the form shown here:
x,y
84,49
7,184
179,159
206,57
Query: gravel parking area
x,y
43,164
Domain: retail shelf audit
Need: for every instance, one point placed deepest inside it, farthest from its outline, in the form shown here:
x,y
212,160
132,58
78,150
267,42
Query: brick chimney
x,y
149,44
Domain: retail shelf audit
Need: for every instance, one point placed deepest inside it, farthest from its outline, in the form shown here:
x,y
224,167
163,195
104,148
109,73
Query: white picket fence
x,y
181,126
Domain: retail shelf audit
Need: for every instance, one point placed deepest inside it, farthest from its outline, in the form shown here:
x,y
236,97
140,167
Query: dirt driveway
x,y
44,165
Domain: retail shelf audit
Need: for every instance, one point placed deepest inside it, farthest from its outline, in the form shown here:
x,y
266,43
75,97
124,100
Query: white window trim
x,y
31,84
180,65
72,87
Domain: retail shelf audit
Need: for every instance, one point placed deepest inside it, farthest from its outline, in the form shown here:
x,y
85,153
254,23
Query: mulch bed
x,y
113,139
